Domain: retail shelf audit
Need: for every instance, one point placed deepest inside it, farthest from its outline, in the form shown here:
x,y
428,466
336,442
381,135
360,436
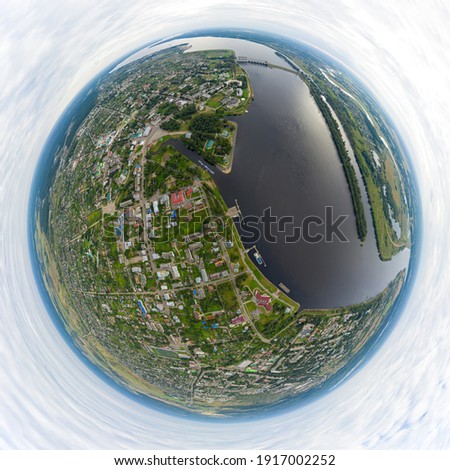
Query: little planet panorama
x,y
225,222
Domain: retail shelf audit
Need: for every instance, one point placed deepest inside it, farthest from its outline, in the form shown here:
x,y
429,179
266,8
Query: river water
x,y
285,159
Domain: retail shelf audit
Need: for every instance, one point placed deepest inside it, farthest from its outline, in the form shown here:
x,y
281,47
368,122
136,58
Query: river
x,y
285,159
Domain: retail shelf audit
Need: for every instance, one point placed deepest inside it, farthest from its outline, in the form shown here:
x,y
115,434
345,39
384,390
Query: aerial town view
x,y
143,258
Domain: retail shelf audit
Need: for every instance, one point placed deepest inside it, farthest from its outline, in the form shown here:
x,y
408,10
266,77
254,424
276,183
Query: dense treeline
x,y
350,174
243,80
374,178
204,127
223,146
365,135
171,125
186,112
206,124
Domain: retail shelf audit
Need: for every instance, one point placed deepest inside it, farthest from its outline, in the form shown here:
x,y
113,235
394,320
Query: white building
x,y
204,275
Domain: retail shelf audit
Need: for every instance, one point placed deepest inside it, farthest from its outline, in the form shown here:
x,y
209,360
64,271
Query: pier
x,y
284,288
235,211
257,256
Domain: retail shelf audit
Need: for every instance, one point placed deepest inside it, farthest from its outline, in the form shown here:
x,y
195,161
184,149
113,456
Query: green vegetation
x,y
93,217
228,297
206,140
167,108
171,125
387,183
186,112
176,172
147,269
350,174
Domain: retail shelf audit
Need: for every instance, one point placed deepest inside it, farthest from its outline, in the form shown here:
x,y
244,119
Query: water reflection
x,y
285,159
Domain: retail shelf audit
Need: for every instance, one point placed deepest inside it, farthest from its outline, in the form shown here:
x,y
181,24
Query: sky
x,y
50,398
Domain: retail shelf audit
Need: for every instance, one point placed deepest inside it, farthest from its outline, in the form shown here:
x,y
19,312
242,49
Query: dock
x,y
235,211
257,256
206,167
284,288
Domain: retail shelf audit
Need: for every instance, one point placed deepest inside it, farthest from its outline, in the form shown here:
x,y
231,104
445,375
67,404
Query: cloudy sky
x,y
49,49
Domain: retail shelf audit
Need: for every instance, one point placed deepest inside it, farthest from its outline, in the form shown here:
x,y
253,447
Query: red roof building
x,y
188,192
177,198
237,320
264,301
